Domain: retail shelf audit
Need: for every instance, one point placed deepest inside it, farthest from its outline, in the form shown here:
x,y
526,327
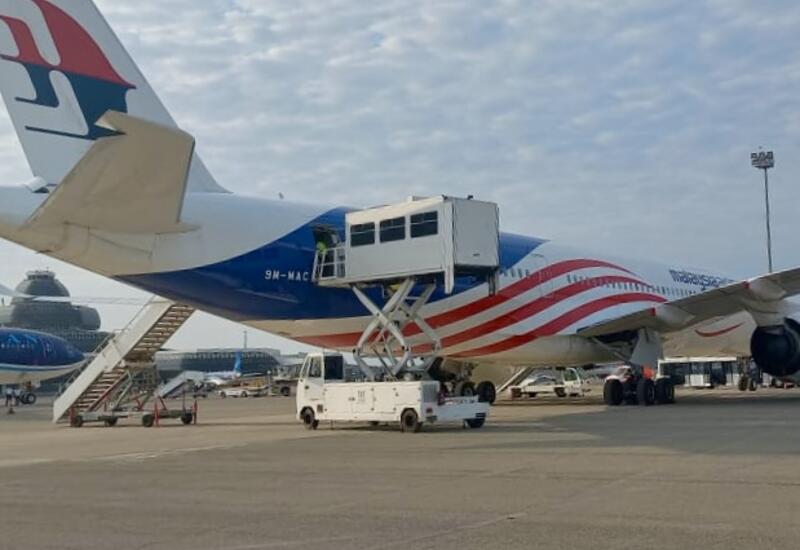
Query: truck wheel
x,y
665,391
465,389
409,421
487,393
309,421
29,399
612,392
187,418
645,392
110,422
286,391
245,394
475,423
76,421
560,392
148,420
743,383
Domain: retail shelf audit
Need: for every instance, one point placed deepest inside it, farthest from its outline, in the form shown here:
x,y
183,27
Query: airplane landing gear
x,y
634,388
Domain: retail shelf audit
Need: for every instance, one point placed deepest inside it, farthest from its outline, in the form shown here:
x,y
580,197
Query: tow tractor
x,y
324,394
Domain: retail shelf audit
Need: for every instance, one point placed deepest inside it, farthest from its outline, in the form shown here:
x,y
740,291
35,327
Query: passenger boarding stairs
x,y
125,364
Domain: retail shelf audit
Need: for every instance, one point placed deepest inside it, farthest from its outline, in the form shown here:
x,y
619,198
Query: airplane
x,y
119,190
29,357
220,378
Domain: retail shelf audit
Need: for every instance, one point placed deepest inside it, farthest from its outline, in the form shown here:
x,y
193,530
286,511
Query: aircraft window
x,y
527,272
425,224
393,230
362,234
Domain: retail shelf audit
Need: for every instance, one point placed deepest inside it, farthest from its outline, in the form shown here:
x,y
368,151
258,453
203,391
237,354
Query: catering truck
x,y
324,394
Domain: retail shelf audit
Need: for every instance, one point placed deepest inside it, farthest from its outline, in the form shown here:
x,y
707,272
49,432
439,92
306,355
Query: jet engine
x,y
776,350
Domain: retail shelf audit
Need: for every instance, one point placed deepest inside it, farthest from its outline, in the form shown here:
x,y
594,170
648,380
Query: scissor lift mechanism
x,y
383,336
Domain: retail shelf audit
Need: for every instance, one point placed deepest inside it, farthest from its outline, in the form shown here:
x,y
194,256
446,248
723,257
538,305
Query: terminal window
x,y
393,230
362,234
425,224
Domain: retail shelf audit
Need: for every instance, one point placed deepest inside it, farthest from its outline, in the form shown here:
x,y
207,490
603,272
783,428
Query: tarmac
x,y
717,470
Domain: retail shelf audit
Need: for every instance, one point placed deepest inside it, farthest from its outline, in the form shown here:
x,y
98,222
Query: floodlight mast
x,y
764,161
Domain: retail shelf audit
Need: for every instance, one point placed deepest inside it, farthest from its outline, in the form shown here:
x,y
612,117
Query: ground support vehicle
x,y
567,383
187,414
323,395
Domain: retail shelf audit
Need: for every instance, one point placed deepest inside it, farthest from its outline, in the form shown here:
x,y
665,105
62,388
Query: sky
x,y
623,126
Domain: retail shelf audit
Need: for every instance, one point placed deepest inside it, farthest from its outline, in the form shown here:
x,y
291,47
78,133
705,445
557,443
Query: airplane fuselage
x,y
250,260
31,356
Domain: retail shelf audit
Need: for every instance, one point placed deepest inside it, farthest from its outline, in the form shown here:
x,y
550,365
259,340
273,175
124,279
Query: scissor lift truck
x,y
323,394
394,258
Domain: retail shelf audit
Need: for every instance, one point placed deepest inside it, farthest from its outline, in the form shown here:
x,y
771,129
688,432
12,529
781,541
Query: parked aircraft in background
x,y
220,378
118,190
28,356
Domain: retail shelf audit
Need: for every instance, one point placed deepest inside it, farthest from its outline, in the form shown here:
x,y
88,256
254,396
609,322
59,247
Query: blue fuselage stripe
x,y
273,282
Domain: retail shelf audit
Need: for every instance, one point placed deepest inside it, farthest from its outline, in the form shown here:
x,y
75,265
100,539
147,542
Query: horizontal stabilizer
x,y
131,182
761,296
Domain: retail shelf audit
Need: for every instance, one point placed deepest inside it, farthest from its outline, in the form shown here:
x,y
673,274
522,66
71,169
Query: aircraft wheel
x,y
752,385
613,392
665,391
409,421
309,420
487,393
645,392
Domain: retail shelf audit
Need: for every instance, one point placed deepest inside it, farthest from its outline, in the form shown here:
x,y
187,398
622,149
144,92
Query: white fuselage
x,y
250,260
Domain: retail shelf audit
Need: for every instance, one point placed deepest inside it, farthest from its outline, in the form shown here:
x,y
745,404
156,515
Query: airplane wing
x,y
131,182
761,296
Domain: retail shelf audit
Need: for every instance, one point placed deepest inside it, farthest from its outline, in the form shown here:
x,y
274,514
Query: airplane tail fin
x,y
61,69
237,365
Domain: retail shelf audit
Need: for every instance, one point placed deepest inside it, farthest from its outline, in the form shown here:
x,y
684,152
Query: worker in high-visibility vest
x,y
324,258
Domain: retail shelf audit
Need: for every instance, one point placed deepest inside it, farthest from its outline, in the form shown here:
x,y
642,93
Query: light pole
x,y
764,161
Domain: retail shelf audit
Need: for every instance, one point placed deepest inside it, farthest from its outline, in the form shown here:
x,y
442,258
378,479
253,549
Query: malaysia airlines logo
x,y
96,84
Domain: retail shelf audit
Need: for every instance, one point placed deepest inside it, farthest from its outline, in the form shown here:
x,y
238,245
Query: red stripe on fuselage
x,y
560,323
717,332
345,340
533,308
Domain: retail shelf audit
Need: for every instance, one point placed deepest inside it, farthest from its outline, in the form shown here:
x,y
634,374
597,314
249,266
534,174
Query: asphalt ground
x,y
717,470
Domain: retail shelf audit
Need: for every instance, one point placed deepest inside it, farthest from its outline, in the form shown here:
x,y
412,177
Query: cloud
x,y
623,125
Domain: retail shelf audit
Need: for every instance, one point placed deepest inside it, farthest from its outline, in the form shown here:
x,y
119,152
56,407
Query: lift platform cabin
x,y
431,238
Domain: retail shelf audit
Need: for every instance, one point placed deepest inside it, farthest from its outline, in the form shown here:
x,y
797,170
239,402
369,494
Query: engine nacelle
x,y
776,350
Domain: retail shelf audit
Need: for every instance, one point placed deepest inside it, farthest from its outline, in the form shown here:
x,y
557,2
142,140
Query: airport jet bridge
x,y
405,252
